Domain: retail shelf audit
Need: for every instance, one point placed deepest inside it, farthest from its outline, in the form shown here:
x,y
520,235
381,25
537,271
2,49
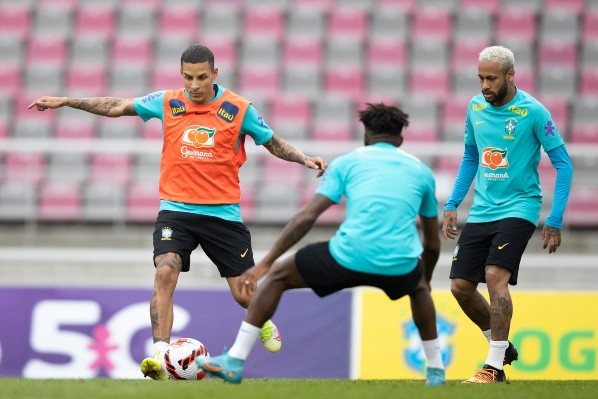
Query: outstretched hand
x,y
247,282
551,237
316,163
449,224
46,102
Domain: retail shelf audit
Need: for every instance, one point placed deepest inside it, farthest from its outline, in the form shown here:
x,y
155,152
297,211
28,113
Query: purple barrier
x,y
88,333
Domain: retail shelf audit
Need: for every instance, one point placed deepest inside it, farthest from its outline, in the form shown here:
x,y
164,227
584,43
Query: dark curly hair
x,y
384,119
197,53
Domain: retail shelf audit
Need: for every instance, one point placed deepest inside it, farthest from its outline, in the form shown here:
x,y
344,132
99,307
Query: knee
x,y
461,289
497,276
166,275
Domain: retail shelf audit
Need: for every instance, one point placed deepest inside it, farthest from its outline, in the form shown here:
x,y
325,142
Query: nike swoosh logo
x,y
479,122
244,253
502,246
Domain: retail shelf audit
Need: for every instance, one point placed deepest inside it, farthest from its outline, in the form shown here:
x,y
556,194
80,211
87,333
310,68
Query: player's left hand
x,y
316,163
551,237
247,282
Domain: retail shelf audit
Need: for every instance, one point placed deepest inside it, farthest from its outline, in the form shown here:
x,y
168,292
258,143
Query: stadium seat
x,y
302,51
302,80
574,6
89,51
47,50
136,20
95,20
319,5
263,22
590,26
560,26
59,202
589,55
128,81
11,51
306,22
142,203
290,116
83,80
473,25
581,207
559,110
42,77
347,22
557,54
247,202
151,130
427,54
525,79
533,6
70,167
120,128
557,81
465,55
24,167
54,20
525,53
31,123
18,201
113,168
588,86
276,202
176,24
490,6
431,24
6,109
385,53
259,81
405,5
10,79
345,81
79,127
333,118
146,168
432,82
452,118
225,52
103,202
515,23
256,52
389,24
220,20
15,21
282,5
584,128
275,171
165,77
131,52
386,81
342,52
423,118
446,5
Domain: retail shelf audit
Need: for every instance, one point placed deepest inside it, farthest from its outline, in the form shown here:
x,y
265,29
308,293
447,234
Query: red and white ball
x,y
180,359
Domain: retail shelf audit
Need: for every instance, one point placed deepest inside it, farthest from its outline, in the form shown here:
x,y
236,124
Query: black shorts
x,y
325,276
227,244
500,243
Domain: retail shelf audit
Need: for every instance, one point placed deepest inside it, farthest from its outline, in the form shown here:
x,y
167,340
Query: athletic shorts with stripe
x,y
226,243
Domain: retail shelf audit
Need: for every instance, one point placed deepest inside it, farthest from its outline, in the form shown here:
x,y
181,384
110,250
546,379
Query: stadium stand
x,y
307,65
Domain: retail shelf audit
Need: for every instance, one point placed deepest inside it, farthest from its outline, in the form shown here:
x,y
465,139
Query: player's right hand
x,y
449,224
46,102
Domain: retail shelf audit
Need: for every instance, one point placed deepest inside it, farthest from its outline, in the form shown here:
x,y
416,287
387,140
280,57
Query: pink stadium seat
x,y
575,6
15,20
584,134
421,132
10,79
47,50
555,54
64,4
452,117
75,128
322,5
432,24
486,5
525,79
581,207
247,203
290,116
165,77
405,5
516,24
589,82
263,22
113,168
465,54
24,167
59,201
347,22
559,109
260,80
275,171
590,26
142,203
387,53
345,81
95,20
86,80
178,23
225,51
126,51
152,130
302,51
430,82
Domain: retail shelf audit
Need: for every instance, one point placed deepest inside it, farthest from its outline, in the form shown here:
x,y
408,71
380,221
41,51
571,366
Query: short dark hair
x,y
384,119
197,53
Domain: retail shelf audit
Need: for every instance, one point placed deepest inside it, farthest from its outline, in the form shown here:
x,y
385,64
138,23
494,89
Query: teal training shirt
x,y
508,139
152,106
385,189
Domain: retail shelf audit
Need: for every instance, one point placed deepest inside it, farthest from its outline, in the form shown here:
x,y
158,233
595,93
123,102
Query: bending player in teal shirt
x,y
378,244
504,132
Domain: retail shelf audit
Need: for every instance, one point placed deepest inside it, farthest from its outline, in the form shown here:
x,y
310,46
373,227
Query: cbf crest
x,y
166,233
510,126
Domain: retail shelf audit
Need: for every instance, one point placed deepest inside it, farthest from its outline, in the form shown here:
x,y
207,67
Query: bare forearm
x,y
105,106
283,150
296,229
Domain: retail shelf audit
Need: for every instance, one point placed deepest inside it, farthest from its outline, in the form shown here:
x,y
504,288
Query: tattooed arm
x,y
283,150
105,106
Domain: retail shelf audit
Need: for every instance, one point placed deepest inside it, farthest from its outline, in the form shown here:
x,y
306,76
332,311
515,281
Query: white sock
x,y
246,338
496,354
487,334
160,346
433,355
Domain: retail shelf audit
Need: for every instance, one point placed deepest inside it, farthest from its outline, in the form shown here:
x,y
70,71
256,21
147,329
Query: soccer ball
x,y
180,359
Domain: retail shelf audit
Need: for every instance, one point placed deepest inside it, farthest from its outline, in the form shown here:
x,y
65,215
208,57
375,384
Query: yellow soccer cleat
x,y
270,337
487,375
152,367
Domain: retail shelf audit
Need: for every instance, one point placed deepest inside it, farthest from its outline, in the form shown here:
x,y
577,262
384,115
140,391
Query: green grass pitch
x,y
18,388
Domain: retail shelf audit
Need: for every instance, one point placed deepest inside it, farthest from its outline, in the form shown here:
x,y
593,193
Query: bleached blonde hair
x,y
500,54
